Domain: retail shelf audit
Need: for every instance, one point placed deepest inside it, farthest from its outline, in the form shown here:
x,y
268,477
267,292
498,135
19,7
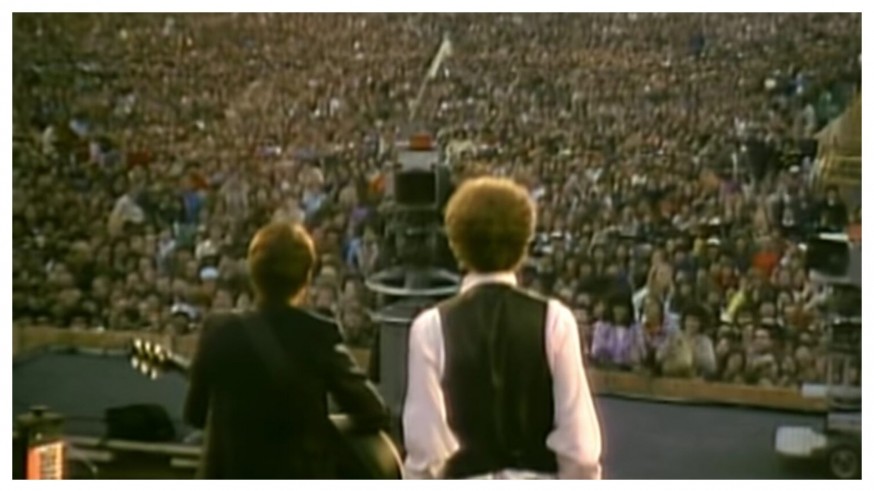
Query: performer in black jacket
x,y
496,385
258,427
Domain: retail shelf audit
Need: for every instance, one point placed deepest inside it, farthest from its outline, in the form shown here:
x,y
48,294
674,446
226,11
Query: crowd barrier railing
x,y
603,382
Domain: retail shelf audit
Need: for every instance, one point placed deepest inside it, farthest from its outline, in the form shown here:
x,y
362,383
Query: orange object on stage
x,y
421,141
46,461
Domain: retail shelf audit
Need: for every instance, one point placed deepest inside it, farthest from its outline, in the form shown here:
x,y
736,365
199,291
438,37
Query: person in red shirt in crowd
x,y
767,258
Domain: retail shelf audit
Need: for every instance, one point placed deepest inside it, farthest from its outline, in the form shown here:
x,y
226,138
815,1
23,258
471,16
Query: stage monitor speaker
x,y
140,423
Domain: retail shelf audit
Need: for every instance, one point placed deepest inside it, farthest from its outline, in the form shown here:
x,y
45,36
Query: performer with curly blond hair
x,y
496,383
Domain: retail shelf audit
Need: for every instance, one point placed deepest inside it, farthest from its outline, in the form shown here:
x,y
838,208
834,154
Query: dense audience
x,y
669,155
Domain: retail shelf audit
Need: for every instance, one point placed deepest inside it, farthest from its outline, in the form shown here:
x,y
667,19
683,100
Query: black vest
x,y
496,382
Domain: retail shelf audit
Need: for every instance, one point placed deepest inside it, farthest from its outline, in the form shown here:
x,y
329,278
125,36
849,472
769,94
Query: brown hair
x,y
657,270
281,261
489,222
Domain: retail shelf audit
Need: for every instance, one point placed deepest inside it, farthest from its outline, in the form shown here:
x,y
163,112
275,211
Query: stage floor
x,y
642,440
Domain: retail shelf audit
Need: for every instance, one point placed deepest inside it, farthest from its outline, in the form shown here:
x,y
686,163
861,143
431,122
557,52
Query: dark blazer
x,y
255,428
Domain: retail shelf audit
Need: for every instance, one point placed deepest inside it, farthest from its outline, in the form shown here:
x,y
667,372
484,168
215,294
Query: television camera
x,y
835,267
422,271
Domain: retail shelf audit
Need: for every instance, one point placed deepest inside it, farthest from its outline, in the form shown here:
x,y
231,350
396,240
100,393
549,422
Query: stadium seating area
x,y
668,155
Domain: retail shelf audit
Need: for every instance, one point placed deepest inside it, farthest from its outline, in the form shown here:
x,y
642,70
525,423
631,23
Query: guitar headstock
x,y
151,359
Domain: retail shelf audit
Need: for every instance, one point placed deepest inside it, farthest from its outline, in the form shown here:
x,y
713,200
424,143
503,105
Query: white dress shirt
x,y
576,437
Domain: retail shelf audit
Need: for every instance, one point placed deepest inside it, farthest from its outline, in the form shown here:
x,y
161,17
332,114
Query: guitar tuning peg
x,y
135,363
138,344
144,369
153,374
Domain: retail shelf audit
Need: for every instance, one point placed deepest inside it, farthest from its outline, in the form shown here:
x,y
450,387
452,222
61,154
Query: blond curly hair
x,y
489,222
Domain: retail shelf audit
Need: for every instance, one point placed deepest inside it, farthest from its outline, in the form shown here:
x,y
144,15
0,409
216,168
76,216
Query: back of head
x,y
281,260
698,311
489,222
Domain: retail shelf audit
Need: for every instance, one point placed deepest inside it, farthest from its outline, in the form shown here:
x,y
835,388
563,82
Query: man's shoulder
x,y
319,325
317,318
552,307
522,294
305,320
220,321
534,296
429,315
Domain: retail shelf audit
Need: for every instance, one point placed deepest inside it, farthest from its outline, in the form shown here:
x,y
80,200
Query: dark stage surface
x,y
642,440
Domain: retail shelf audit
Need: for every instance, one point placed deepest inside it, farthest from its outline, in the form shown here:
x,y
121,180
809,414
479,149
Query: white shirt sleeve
x,y
428,440
576,439
637,302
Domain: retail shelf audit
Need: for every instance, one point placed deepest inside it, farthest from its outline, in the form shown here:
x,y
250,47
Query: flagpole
x,y
414,107
443,52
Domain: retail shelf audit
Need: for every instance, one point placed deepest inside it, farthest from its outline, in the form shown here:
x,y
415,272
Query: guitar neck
x,y
179,364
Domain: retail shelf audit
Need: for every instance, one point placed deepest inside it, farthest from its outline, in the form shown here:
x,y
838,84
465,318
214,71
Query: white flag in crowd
x,y
445,51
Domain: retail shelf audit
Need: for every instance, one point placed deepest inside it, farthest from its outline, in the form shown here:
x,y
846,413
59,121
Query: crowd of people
x,y
668,155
